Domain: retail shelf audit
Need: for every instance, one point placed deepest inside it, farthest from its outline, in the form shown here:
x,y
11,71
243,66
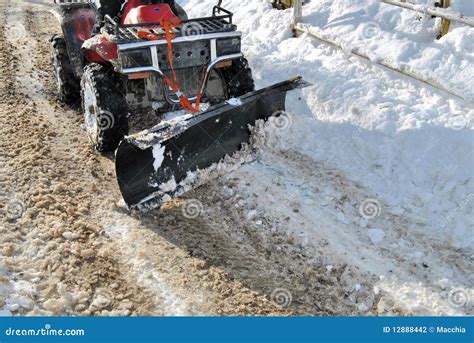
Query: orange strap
x,y
148,35
174,84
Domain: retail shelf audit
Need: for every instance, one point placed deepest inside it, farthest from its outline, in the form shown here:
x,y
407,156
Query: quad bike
x,y
151,58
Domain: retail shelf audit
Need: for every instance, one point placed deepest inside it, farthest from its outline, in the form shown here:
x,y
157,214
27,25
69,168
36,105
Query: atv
x,y
153,58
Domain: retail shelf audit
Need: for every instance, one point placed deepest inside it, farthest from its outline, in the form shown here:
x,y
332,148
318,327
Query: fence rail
x,y
437,12
360,53
446,14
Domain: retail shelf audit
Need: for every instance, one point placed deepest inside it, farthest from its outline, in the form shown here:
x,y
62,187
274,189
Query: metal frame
x,y
226,32
73,2
223,17
128,46
113,28
155,67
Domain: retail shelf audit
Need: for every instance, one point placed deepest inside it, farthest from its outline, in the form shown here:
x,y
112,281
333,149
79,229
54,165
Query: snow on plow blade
x,y
151,165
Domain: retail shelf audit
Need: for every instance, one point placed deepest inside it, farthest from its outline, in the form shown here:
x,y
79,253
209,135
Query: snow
x,y
141,266
411,144
5,313
251,214
376,235
91,43
169,186
170,189
367,169
158,156
395,142
234,102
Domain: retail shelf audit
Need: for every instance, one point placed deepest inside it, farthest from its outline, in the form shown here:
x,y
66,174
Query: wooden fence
x,y
443,13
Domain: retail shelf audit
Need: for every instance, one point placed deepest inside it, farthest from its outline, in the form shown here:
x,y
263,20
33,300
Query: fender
x,y
77,23
135,12
100,50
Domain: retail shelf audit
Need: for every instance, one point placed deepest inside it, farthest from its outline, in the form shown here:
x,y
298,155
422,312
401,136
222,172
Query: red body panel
x,y
100,49
94,57
136,13
84,21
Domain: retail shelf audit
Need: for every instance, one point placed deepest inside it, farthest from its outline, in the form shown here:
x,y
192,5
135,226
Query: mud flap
x,y
164,155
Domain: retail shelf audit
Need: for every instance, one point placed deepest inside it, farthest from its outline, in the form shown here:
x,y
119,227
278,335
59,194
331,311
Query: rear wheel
x,y
104,107
67,84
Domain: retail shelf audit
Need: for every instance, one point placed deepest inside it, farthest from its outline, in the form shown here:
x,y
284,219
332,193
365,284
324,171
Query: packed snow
x,y
158,155
407,144
411,144
234,102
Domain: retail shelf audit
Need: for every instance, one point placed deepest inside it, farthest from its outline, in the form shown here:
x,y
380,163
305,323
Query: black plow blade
x,y
151,165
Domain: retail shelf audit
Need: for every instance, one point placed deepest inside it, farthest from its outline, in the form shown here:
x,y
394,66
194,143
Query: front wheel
x,y
238,78
104,108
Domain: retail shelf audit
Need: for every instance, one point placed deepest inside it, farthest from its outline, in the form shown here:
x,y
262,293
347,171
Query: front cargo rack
x,y
73,3
123,34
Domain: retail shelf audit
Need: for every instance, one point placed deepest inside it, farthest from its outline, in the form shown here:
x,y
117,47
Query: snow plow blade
x,y
164,154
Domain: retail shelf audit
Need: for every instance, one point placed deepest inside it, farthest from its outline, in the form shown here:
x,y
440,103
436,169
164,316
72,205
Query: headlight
x,y
228,46
136,58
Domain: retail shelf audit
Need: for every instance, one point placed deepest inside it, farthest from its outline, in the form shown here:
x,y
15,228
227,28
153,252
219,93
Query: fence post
x,y
297,14
445,23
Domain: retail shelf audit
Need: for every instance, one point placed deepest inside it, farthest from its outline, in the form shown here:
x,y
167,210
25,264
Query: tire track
x,y
54,254
83,254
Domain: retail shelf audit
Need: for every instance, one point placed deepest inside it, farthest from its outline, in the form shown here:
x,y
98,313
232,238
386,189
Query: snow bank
x,y
411,144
